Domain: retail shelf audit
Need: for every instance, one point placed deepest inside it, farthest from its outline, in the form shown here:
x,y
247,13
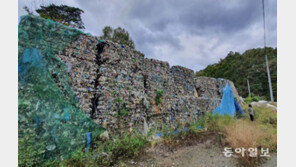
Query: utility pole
x,y
266,58
249,87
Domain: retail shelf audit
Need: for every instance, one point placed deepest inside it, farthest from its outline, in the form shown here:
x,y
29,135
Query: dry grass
x,y
245,134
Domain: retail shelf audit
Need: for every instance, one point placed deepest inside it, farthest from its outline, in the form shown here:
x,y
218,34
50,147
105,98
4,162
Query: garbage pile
x,y
120,88
158,90
213,88
80,58
116,85
184,102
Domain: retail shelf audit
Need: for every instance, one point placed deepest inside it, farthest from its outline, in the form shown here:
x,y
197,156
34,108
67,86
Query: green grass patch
x,y
108,153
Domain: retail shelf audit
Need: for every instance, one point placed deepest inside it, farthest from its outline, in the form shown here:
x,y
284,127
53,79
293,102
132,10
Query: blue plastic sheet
x,y
88,140
238,108
227,105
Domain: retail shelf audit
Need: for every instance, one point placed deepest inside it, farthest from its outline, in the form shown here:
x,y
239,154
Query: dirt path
x,y
192,156
205,154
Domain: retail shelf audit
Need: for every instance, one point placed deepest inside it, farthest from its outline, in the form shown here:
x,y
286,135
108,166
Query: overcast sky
x,y
190,33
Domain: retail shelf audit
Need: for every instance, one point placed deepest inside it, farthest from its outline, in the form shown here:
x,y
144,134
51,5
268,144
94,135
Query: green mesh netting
x,y
45,35
50,124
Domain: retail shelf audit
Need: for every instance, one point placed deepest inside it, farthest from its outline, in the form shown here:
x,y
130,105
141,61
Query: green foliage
x,y
251,98
249,65
29,152
121,106
78,159
216,122
157,99
128,145
64,14
107,33
118,35
266,116
108,153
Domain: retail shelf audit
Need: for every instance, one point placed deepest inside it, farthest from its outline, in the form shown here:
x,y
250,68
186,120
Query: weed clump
x,y
157,99
108,153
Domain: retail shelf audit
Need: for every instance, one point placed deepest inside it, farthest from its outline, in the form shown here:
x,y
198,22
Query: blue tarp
x,y
238,108
227,105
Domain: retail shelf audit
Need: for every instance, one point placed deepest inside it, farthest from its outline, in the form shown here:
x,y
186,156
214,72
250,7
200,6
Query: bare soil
x,y
202,152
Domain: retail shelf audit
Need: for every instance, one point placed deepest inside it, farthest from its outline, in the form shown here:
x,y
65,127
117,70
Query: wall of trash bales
x,y
118,87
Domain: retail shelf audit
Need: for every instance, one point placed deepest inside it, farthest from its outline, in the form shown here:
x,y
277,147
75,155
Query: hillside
x,y
249,65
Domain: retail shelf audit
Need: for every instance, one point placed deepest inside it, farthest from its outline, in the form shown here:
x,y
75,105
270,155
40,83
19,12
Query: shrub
x,y
267,121
252,98
127,146
266,116
122,107
110,152
158,97
28,153
217,123
78,159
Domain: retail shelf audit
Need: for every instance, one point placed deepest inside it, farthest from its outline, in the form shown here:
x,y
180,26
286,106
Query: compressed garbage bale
x,y
183,103
222,82
121,85
207,104
213,88
157,80
208,87
80,58
113,83
183,79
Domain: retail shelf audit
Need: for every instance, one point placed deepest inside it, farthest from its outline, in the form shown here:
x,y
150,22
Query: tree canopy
x,y
64,14
249,65
118,35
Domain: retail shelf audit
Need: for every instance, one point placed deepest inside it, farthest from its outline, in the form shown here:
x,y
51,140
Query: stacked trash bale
x,y
114,84
184,95
208,87
157,83
209,91
121,86
80,59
